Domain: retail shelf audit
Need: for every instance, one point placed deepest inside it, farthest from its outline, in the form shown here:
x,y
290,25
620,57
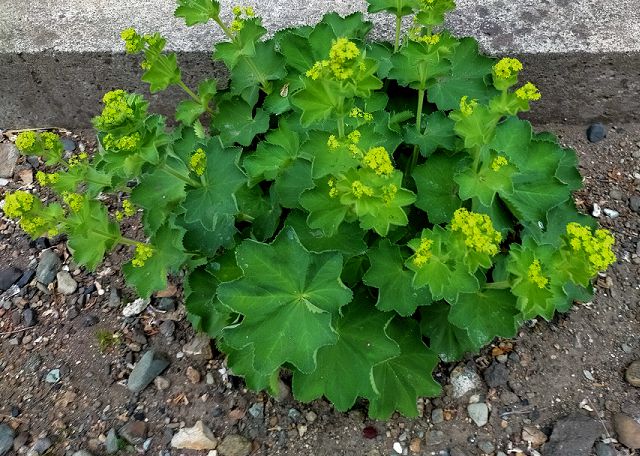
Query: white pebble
x,y
397,447
611,213
597,212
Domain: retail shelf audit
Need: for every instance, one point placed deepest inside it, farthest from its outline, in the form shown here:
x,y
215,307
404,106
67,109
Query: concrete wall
x,y
58,56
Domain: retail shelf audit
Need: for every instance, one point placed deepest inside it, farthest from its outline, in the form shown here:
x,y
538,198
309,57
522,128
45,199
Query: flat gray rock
x,y
573,435
146,369
48,267
6,439
8,157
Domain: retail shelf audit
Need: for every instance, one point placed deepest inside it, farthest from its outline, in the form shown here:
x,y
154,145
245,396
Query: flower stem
x,y
224,28
192,94
502,285
177,175
341,126
419,111
396,45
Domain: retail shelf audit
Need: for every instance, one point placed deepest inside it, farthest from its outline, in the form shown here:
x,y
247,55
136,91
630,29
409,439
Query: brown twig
x,y
15,331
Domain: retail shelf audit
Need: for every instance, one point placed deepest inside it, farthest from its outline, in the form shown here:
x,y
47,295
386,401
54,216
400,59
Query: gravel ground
x,y
559,388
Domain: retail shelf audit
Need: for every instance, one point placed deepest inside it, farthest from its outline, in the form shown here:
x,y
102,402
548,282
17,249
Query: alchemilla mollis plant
x,y
347,210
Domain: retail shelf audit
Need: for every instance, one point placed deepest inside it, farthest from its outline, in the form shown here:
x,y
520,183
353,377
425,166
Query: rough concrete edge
x,y
64,89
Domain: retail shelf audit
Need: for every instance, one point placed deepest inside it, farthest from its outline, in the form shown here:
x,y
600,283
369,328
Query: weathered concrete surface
x,y
58,56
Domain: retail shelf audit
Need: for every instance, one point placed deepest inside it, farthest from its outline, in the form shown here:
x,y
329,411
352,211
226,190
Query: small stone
x,y
53,376
415,445
597,210
48,267
464,380
25,278
114,298
234,445
486,446
397,447
82,453
634,204
596,132
534,436
632,374
311,416
111,443
628,431
611,213
134,432
573,435
479,413
166,304
168,328
294,414
437,416
68,144
627,348
193,375
136,307
496,375
9,154
198,437
41,445
602,449
29,318
257,410
161,383
8,277
6,438
199,347
209,380
615,194
150,365
66,284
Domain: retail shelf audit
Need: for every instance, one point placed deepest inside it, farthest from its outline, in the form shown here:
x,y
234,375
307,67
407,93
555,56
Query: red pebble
x,y
370,432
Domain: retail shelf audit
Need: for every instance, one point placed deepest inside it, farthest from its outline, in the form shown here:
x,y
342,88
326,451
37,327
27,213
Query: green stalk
x,y
177,175
411,164
192,94
396,45
502,285
224,28
341,126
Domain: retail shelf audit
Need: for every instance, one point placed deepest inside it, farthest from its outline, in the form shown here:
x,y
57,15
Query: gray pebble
x,y
464,380
68,144
90,320
40,446
6,438
8,277
66,284
167,328
166,304
9,154
437,416
48,267
29,317
596,132
496,375
53,376
615,194
479,413
82,453
150,365
602,449
257,410
486,447
114,297
111,444
634,204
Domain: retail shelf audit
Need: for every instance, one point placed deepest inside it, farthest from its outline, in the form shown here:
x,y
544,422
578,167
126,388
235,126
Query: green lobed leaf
x,y
393,281
437,190
204,311
486,314
213,202
344,370
397,8
448,341
288,298
293,181
236,122
405,378
486,183
162,73
325,213
197,11
263,66
242,45
168,256
438,134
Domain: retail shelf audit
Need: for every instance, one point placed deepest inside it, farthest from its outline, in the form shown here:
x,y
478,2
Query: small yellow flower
x,y
198,162
379,161
34,226
528,92
50,140
389,193
142,254
47,179
355,113
237,25
237,10
73,200
598,247
116,110
18,203
498,163
341,63
478,231
133,42
128,208
467,107
333,191
535,274
26,141
422,253
354,136
367,116
249,12
333,142
359,189
355,150
507,67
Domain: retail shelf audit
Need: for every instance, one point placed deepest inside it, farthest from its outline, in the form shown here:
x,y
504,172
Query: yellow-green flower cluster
x,y
535,274
357,113
359,189
333,191
78,159
342,57
478,231
238,22
377,159
415,35
498,163
50,140
116,110
26,141
142,254
18,203
133,42
73,200
126,143
198,162
528,92
333,142
389,193
422,253
467,107
507,67
597,246
128,210
354,136
45,179
34,226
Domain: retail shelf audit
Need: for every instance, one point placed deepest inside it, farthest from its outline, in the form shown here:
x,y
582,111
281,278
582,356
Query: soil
x,y
573,364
